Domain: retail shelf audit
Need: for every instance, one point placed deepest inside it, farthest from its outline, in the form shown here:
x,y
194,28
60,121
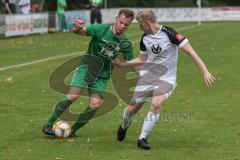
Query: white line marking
x,y
39,61
72,54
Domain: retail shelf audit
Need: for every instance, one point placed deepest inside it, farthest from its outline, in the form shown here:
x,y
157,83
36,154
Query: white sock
x,y
126,119
149,122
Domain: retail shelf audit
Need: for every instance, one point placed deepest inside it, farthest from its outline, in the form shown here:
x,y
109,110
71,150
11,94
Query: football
x,y
61,129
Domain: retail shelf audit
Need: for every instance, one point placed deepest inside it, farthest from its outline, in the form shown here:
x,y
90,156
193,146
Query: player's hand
x,y
78,24
208,78
118,63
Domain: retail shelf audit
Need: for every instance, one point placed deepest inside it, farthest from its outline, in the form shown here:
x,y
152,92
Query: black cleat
x,y
121,133
47,129
142,143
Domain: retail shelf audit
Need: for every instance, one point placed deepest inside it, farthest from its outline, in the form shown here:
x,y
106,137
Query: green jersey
x,y
106,46
61,9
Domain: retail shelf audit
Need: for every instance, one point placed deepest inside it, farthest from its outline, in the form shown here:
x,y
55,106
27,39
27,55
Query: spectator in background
x,y
96,16
35,8
24,6
61,6
10,6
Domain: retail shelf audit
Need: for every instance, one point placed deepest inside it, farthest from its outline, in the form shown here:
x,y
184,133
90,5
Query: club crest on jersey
x,y
156,49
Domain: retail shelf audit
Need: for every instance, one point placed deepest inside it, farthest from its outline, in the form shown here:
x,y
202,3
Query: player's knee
x,y
132,110
72,97
155,110
95,103
155,106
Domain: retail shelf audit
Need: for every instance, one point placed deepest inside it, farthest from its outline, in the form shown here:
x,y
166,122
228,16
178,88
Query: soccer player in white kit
x,y
158,59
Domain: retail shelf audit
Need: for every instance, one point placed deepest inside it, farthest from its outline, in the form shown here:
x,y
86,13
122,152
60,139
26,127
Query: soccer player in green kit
x,y
107,42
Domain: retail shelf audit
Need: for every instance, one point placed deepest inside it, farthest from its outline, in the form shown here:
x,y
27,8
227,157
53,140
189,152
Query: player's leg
x,y
96,90
65,103
129,112
78,83
61,107
150,121
160,95
141,94
94,102
127,116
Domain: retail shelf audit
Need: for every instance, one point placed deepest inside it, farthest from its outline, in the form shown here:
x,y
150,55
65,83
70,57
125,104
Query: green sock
x,y
83,118
59,109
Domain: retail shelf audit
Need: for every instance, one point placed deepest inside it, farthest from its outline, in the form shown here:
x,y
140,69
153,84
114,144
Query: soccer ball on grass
x,y
61,129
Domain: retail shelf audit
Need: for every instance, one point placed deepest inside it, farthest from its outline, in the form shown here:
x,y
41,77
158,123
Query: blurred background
x,y
23,17
51,5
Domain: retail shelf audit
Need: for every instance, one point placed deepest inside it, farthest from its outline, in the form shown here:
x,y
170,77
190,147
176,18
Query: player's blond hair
x,y
127,12
146,14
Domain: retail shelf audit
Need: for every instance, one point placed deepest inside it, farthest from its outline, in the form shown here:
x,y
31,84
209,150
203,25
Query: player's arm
x,y
183,43
79,27
132,63
137,62
208,78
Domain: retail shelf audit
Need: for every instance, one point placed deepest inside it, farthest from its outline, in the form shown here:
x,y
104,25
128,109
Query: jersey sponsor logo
x,y
110,49
156,49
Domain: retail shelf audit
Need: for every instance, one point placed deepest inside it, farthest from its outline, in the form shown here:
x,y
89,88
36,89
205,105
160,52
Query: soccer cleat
x,y
142,143
121,133
47,129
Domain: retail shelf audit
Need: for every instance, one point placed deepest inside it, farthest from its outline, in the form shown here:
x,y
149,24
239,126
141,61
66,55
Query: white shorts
x,y
146,89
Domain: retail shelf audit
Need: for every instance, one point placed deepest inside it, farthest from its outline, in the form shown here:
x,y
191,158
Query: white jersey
x,y
162,51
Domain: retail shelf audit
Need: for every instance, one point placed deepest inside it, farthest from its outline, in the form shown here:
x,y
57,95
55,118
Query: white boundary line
x,y
39,61
72,54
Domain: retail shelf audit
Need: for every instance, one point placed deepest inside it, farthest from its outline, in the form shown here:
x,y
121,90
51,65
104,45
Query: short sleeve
x,y
128,55
127,50
143,49
93,30
175,37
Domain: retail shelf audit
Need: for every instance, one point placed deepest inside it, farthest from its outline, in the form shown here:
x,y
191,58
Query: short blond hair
x,y
127,12
146,14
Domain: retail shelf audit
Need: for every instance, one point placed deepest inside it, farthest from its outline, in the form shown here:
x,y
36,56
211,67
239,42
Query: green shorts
x,y
85,79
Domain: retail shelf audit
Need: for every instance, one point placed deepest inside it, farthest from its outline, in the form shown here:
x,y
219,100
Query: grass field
x,y
198,123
